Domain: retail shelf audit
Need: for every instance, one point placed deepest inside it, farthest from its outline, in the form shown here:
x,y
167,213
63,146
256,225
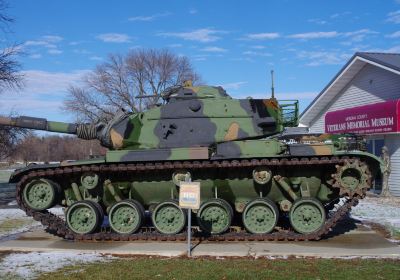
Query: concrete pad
x,y
358,242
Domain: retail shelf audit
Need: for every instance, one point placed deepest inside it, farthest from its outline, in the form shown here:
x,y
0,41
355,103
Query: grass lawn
x,y
182,268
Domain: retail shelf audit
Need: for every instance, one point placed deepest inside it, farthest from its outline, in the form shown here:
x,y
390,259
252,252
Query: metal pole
x,y
189,245
272,84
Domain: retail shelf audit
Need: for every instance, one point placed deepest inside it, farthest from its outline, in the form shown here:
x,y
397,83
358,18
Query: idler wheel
x,y
215,216
40,194
307,215
168,217
84,217
126,217
260,216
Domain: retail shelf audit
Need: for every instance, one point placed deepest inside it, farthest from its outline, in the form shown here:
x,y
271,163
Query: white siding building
x,y
367,78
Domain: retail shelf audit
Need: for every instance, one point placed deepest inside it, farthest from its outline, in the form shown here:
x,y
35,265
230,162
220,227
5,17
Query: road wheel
x,y
307,215
260,216
126,216
168,217
215,216
84,217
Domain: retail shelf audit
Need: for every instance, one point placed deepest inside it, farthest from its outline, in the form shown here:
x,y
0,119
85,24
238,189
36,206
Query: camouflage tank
x,y
258,182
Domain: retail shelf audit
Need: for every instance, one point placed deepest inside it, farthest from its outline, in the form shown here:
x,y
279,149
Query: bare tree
x,y
10,78
55,148
118,82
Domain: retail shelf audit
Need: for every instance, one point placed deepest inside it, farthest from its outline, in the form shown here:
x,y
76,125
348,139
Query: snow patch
x,y
12,203
374,210
29,265
26,223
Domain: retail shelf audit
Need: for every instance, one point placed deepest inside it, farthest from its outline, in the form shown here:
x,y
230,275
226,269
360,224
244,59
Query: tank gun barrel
x,y
39,124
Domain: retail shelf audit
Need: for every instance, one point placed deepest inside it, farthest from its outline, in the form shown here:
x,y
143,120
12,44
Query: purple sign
x,y
369,119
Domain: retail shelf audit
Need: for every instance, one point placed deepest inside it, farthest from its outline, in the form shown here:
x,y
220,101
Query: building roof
x,y
391,60
387,61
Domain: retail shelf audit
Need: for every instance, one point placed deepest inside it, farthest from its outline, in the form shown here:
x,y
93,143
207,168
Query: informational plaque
x,y
189,195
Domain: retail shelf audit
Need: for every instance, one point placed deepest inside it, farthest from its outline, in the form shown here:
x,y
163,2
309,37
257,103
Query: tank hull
x,y
225,177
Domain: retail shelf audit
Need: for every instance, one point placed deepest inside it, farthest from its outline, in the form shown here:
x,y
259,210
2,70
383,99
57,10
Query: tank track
x,y
57,226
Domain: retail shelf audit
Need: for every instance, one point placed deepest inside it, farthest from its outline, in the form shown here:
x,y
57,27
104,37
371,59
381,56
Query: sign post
x,y
189,198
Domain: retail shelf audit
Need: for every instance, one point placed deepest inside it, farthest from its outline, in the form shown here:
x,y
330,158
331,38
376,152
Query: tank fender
x,y
18,173
372,160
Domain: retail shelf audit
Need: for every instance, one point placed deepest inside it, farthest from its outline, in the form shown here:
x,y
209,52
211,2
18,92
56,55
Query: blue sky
x,y
230,43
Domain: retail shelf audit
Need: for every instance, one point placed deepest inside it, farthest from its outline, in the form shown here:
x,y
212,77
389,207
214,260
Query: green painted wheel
x,y
168,217
126,216
215,216
307,215
260,216
84,217
40,194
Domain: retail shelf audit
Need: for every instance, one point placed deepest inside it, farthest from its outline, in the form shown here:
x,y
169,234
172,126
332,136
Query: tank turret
x,y
190,117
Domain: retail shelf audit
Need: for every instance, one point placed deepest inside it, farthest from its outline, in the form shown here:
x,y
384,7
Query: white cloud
x,y
98,58
393,17
394,35
200,57
42,82
336,15
262,36
47,41
317,58
175,45
233,86
314,35
53,38
258,47
192,11
149,18
35,56
37,43
54,51
355,36
22,104
214,49
254,53
317,21
358,35
43,92
203,35
114,38
81,51
394,49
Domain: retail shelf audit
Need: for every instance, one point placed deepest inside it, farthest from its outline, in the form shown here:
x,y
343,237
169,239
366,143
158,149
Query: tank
x,y
259,180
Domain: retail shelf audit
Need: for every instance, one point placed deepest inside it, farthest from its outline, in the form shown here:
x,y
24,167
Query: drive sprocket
x,y
352,177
